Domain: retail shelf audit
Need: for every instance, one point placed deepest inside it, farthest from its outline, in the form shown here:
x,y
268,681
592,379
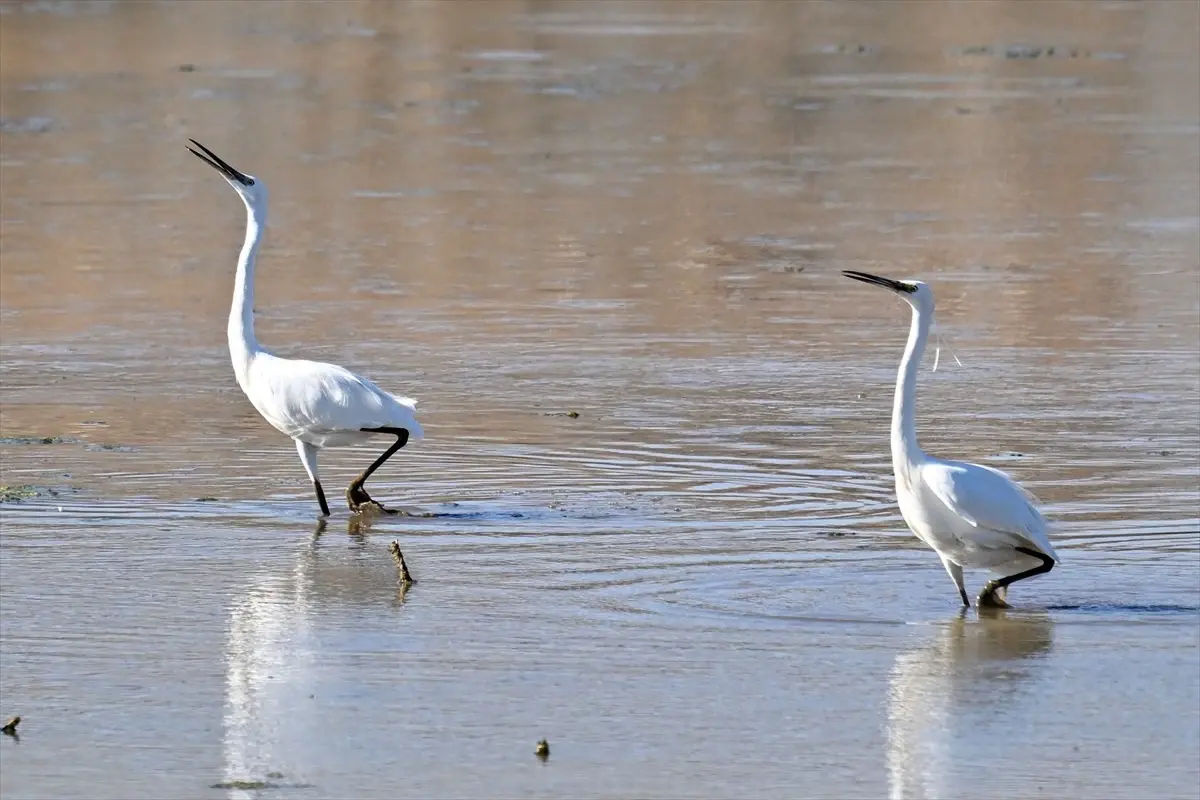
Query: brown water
x,y
701,586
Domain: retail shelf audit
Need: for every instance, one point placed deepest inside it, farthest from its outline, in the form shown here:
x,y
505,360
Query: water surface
x,y
700,586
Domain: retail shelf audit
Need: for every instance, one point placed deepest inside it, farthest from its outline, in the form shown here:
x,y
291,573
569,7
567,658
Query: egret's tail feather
x,y
408,409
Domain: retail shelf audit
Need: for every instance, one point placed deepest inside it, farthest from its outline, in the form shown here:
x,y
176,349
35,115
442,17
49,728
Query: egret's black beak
x,y
887,283
220,166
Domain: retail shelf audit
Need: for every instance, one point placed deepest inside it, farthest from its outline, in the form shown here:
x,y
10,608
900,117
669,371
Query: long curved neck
x,y
242,344
906,453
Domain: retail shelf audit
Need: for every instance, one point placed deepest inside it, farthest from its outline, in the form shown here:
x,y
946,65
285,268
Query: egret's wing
x,y
1028,495
988,499
311,395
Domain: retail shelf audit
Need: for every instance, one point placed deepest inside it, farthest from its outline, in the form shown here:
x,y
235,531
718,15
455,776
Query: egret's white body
x,y
322,405
971,515
316,404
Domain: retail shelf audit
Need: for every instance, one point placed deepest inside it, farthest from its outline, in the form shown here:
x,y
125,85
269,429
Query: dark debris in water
x,y
772,253
848,49
244,785
21,440
18,441
25,124
406,578
542,750
570,414
256,784
1023,52
15,494
206,499
10,727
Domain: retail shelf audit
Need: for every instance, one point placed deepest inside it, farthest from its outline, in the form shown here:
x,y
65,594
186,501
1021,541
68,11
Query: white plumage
x,y
971,515
317,404
323,404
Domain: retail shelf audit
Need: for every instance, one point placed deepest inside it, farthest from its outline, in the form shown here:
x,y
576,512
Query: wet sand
x,y
698,587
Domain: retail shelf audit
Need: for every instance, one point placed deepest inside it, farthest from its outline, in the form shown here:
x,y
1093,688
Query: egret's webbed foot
x,y
994,595
996,592
361,503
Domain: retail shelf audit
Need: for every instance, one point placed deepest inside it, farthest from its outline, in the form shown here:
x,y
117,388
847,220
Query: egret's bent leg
x,y
356,495
956,574
995,591
308,455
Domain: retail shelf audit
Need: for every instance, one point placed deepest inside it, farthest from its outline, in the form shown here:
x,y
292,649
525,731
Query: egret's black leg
x,y
956,575
988,595
321,498
308,457
356,495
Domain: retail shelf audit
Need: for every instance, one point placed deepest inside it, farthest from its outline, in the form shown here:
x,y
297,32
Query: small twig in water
x,y
406,577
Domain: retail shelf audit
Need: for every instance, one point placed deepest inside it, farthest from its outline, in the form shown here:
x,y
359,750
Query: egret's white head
x,y
916,293
252,191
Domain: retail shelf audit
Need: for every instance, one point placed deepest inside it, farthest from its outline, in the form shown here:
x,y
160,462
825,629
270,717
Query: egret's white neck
x,y
242,344
906,453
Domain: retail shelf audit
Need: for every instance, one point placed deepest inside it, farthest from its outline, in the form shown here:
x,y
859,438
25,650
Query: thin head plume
x,y
937,350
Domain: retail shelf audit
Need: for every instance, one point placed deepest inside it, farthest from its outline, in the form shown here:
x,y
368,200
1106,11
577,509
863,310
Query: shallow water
x,y
700,586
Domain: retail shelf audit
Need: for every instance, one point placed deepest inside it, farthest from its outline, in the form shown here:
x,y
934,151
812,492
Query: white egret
x,y
971,515
318,405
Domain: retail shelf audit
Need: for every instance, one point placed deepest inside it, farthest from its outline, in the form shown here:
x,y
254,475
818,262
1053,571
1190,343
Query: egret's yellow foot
x,y
993,596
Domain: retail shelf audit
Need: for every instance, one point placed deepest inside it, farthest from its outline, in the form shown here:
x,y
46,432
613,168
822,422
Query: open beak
x,y
220,166
887,283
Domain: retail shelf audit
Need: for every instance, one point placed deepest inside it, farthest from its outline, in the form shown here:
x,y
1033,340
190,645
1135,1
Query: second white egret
x,y
971,515
318,405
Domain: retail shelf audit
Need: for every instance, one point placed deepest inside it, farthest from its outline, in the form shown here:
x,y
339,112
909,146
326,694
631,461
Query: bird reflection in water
x,y
960,691
357,528
279,674
271,674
